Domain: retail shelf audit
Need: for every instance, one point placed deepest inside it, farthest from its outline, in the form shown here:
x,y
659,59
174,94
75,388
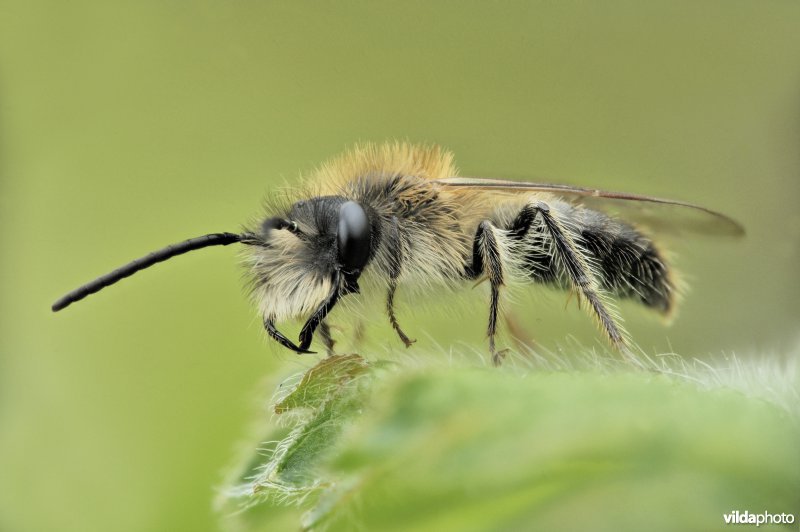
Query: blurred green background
x,y
128,126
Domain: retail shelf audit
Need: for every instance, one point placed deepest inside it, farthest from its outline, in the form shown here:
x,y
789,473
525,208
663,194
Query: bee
x,y
401,215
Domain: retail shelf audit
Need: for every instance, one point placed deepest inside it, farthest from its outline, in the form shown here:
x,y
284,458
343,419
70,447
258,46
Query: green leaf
x,y
322,381
482,449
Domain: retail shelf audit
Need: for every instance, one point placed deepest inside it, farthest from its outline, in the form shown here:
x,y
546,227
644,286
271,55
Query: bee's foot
x,y
498,357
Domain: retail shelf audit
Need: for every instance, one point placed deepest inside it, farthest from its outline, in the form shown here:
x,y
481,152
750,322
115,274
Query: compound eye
x,y
353,237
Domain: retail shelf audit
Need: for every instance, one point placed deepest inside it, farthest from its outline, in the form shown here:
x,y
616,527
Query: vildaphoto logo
x,y
764,518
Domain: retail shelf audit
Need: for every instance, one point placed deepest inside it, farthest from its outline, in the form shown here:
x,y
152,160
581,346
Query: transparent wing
x,y
663,215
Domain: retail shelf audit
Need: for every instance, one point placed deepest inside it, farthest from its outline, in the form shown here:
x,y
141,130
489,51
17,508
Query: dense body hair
x,y
424,234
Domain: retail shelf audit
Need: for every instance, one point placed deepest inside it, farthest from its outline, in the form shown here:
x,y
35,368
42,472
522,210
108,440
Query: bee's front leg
x,y
307,332
327,339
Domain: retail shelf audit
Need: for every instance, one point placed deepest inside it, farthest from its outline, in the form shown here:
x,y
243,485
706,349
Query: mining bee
x,y
401,215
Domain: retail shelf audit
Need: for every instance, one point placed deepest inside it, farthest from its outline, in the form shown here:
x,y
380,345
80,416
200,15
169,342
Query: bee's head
x,y
316,249
300,262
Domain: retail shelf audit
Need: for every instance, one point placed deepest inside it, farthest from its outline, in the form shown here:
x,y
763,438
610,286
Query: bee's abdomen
x,y
626,263
630,266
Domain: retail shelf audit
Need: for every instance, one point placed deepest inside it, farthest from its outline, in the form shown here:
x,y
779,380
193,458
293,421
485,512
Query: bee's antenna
x,y
173,250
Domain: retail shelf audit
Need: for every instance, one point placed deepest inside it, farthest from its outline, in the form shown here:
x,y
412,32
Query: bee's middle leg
x,y
394,273
408,342
486,259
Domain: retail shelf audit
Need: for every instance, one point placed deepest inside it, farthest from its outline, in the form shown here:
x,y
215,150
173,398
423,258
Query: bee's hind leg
x,y
576,267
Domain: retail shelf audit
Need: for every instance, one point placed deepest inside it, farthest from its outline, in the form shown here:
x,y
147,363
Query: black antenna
x,y
173,250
